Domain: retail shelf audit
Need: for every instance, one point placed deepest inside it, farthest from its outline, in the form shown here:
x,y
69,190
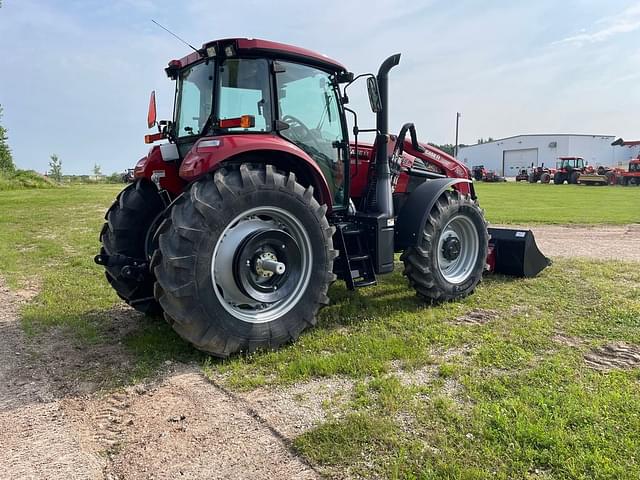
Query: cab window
x,y
244,90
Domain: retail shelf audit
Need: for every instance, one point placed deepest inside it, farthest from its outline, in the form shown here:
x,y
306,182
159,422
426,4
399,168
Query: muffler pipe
x,y
384,200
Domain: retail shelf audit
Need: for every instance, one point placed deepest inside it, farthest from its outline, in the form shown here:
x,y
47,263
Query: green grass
x,y
524,203
503,400
525,403
49,237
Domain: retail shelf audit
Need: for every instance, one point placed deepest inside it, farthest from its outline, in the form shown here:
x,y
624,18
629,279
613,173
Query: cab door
x,y
308,103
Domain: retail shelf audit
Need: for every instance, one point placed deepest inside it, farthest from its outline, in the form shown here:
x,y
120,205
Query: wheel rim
x,y
261,264
458,249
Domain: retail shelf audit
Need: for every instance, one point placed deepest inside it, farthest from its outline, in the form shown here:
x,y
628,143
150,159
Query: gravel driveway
x,y
612,242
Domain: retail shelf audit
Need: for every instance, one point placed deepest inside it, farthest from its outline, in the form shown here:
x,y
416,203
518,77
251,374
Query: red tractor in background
x,y
631,176
568,169
523,175
479,173
534,174
539,174
237,225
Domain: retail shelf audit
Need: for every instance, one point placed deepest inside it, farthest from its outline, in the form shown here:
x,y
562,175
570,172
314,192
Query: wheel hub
x,y
257,270
267,264
451,248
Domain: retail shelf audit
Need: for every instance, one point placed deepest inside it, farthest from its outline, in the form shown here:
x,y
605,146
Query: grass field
x,y
526,203
495,400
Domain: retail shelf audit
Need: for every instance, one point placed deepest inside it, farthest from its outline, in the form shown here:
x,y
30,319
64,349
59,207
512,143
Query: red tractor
x,y
534,174
523,175
236,225
568,169
539,174
631,176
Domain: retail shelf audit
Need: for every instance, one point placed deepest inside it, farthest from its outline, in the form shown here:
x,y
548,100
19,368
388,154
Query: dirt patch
x,y
36,441
567,341
612,356
602,242
56,421
183,427
54,365
476,317
298,408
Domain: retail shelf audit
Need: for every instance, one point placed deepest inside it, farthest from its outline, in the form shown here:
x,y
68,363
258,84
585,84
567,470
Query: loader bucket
x,y
514,252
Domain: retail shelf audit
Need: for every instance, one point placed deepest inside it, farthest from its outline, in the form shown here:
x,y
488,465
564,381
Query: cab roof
x,y
257,47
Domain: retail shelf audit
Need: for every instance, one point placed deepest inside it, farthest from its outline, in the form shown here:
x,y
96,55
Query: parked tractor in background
x,y
492,177
539,174
568,169
478,172
523,175
237,225
127,176
631,176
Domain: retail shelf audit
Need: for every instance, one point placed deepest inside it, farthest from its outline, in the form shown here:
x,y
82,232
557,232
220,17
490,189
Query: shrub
x,y
20,179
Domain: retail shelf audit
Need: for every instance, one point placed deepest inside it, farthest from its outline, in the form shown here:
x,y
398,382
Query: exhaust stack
x,y
384,199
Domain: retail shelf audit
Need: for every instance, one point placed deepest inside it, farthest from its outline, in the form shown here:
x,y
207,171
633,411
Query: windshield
x,y
194,99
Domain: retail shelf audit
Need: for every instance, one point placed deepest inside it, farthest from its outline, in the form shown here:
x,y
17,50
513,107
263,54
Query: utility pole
x,y
455,147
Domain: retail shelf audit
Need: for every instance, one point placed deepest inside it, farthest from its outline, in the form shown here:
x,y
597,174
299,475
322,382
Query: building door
x,y
515,160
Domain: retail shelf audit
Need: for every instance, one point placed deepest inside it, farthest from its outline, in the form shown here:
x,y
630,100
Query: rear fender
x,y
413,215
210,153
155,167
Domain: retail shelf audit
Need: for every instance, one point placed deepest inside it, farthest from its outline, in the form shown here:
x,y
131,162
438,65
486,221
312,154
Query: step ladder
x,y
356,264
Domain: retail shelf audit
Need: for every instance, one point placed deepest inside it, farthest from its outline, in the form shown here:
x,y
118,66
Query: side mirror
x,y
374,95
151,115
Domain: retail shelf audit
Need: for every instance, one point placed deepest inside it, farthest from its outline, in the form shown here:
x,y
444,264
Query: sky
x,y
75,76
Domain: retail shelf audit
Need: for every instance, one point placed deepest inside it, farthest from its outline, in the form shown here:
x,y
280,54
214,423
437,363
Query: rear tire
x,y
558,179
431,267
573,179
208,275
127,232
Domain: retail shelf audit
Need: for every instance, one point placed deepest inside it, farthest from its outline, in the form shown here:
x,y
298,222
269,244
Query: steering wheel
x,y
297,125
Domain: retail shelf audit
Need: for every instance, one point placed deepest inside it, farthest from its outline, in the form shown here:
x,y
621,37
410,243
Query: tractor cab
x,y
570,163
253,91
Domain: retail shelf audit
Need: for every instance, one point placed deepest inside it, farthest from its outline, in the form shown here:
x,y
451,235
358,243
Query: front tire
x,y
128,231
211,268
450,259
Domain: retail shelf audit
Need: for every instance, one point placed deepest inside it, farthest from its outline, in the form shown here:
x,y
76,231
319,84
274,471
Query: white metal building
x,y
509,155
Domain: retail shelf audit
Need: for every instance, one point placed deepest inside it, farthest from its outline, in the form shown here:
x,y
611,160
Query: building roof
x,y
540,135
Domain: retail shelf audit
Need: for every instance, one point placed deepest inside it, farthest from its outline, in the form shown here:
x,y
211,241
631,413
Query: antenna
x,y
176,36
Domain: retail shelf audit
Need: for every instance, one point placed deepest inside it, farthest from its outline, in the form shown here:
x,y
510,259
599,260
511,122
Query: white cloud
x,y
625,22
